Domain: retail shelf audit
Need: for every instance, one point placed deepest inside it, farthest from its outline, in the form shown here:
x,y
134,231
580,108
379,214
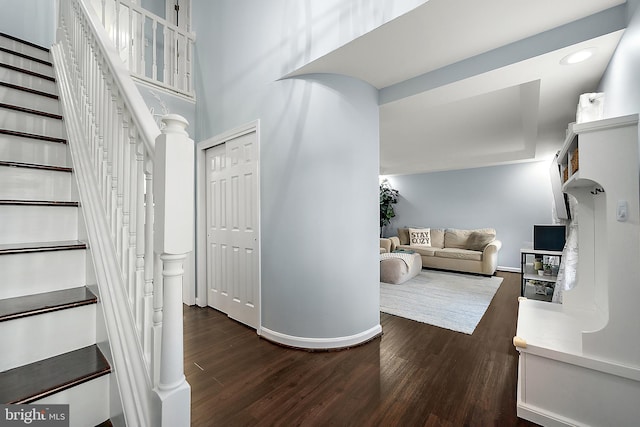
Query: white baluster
x,y
142,45
132,63
149,313
115,148
166,75
154,67
158,317
116,36
124,193
188,59
103,126
131,207
108,146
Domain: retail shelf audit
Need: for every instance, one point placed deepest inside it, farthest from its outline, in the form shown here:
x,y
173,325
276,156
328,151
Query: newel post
x,y
174,194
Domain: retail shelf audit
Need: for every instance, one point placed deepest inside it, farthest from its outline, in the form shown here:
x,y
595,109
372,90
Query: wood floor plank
x,y
414,375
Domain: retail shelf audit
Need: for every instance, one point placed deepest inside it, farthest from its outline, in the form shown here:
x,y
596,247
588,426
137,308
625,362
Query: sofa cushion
x,y
422,250
478,240
403,235
456,253
437,237
420,237
385,244
454,238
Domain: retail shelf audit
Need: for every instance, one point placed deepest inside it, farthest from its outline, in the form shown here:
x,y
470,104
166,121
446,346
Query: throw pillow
x,y
403,235
420,237
477,241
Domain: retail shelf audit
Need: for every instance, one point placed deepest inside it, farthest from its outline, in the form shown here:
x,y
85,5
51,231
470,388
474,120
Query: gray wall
x,y
157,7
508,198
319,153
32,20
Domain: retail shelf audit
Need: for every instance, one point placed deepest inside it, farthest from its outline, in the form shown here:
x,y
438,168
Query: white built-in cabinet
x,y
579,361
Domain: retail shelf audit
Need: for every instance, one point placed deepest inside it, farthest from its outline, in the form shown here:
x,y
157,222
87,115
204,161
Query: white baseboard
x,y
542,417
320,343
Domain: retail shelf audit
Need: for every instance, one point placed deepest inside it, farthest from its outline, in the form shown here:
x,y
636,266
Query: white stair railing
x,y
155,50
123,162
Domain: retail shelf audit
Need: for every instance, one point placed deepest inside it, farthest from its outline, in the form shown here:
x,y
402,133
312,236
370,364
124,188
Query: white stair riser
x,y
34,184
35,151
38,272
31,123
29,100
28,81
29,339
22,224
88,402
23,48
26,64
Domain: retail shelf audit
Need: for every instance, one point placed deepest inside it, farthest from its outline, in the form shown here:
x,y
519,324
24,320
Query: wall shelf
x,y
528,274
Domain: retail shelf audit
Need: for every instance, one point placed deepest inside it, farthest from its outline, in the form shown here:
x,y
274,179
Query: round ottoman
x,y
397,268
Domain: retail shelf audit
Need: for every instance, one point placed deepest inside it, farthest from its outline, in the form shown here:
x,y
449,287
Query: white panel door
x,y
232,229
217,235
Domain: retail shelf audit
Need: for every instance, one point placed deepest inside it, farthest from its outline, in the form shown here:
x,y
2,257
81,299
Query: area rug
x,y
448,300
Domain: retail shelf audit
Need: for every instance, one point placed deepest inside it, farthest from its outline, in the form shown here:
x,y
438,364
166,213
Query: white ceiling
x,y
476,83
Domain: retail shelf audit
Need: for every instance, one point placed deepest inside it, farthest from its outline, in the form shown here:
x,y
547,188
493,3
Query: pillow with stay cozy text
x,y
420,237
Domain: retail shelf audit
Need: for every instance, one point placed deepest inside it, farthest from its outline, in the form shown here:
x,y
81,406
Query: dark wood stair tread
x,y
20,248
14,38
32,136
31,305
29,72
38,203
37,380
30,111
35,166
28,89
25,56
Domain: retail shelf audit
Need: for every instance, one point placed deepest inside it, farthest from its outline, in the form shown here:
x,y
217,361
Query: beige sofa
x,y
469,251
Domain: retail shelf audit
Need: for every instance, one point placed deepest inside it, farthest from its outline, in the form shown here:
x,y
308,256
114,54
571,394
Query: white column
x,y
173,238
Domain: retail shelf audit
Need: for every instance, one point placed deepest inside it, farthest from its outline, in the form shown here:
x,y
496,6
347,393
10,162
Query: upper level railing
x,y
136,191
155,50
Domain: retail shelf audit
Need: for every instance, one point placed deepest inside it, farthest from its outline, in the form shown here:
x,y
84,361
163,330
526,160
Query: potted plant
x,y
388,198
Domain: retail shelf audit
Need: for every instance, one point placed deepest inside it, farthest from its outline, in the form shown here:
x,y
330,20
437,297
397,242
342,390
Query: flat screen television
x,y
549,237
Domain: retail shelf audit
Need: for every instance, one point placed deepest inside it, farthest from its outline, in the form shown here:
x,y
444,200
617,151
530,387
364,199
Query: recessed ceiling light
x,y
576,57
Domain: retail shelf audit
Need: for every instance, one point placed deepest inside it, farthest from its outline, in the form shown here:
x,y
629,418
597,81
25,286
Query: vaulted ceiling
x,y
466,84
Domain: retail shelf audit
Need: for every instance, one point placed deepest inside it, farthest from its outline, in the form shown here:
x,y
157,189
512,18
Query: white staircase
x,y
48,313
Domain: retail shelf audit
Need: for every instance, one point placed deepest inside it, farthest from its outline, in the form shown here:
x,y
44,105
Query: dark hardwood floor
x,y
414,375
